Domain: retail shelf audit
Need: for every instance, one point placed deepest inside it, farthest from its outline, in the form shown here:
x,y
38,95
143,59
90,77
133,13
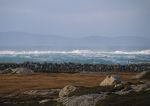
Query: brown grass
x,y
10,83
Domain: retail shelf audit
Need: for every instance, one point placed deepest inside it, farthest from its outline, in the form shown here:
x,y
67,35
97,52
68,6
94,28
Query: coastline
x,y
76,67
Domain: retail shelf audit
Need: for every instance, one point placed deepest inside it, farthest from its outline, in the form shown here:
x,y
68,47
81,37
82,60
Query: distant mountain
x,y
28,41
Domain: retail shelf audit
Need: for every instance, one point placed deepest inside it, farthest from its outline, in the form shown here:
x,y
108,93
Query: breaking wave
x,y
78,52
77,56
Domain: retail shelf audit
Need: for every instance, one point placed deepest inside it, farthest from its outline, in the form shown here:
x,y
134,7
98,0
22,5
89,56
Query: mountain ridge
x,y
11,40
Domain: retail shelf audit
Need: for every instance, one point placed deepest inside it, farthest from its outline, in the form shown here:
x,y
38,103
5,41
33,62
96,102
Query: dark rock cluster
x,y
76,67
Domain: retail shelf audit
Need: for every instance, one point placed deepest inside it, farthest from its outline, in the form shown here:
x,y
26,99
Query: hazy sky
x,y
76,17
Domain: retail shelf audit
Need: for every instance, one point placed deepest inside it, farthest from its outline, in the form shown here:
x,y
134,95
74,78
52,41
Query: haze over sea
x,y
80,31
21,47
76,56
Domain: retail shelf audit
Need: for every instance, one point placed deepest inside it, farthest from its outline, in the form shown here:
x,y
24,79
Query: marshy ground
x,y
13,86
10,83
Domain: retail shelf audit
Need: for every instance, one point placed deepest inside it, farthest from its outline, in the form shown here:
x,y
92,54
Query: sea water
x,y
76,56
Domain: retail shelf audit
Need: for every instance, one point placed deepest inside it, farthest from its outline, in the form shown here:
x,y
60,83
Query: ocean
x,y
76,56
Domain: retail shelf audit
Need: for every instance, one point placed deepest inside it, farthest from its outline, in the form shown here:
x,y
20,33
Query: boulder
x,y
119,86
83,100
67,90
6,71
22,71
110,81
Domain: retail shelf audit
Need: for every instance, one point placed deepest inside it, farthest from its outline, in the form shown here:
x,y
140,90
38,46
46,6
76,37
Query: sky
x,y
76,18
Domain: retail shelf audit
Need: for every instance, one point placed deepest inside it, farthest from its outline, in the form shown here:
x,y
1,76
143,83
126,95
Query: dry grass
x,y
10,83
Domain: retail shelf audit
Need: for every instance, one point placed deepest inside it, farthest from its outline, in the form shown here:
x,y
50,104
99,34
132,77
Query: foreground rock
x,y
17,71
75,96
67,90
84,100
134,88
6,71
110,81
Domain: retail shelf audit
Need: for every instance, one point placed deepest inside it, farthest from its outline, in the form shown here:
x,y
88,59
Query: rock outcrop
x,y
6,71
134,88
22,71
67,90
83,100
110,81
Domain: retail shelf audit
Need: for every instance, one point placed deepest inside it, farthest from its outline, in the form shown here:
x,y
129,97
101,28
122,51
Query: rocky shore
x,y
76,67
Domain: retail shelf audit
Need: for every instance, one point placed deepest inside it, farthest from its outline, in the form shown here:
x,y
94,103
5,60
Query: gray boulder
x,y
84,100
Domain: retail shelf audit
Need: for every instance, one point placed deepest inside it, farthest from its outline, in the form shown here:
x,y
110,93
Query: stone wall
x,y
76,67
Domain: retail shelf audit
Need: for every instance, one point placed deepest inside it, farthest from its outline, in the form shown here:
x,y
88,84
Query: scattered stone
x,y
44,101
42,92
67,90
117,86
123,92
111,80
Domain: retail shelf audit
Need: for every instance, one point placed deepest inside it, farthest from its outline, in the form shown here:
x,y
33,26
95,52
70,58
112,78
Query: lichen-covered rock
x,y
111,80
84,100
67,90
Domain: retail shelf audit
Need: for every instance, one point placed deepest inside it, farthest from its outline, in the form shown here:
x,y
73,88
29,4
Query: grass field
x,y
14,83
